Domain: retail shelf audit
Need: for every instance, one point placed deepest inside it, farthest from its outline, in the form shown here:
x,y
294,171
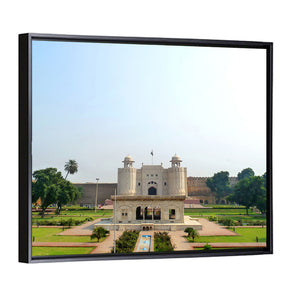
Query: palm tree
x,y
71,167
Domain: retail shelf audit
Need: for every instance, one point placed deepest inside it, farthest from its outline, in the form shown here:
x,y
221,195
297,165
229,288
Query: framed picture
x,y
134,147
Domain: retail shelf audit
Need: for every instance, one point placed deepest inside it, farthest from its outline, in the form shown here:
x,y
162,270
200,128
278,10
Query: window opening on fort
x,y
171,214
139,213
156,213
148,213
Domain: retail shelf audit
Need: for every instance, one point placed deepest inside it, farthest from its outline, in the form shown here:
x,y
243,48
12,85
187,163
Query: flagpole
x,y
152,156
115,212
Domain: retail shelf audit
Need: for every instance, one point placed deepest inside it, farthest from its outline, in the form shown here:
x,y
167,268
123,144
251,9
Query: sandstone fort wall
x,y
196,186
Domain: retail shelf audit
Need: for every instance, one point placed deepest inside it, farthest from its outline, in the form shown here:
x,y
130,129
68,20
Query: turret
x,y
175,161
177,177
127,177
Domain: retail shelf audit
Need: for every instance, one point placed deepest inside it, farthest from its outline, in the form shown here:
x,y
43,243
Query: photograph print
x,y
141,149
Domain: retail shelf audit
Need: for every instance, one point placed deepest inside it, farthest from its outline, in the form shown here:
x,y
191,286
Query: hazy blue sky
x,y
96,103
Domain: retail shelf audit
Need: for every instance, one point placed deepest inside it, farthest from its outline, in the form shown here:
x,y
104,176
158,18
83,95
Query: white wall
x,y
253,277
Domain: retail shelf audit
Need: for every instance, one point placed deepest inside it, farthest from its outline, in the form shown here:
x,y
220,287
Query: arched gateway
x,y
152,191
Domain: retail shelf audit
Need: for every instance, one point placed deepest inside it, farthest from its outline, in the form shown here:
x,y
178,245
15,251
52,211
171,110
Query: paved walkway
x,y
208,228
103,247
211,228
187,205
107,245
84,229
179,241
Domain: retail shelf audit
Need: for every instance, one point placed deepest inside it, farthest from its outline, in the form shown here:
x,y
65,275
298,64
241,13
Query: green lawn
x,y
244,218
49,235
232,213
41,251
246,235
215,211
247,218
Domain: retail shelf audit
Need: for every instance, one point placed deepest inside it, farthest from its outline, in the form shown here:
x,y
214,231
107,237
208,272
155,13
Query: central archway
x,y
152,191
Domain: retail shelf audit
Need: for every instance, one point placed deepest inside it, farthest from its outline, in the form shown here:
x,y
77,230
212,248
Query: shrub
x,y
98,233
77,222
162,242
127,241
188,230
213,218
45,222
239,223
207,247
227,222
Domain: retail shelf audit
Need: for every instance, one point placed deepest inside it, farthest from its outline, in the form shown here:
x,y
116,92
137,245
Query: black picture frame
x,y
25,138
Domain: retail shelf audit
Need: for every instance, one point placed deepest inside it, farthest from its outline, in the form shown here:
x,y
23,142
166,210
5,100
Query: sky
x,y
98,102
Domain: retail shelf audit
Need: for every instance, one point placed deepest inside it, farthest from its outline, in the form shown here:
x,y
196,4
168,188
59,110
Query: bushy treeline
x,y
249,191
231,222
126,242
50,188
162,242
57,222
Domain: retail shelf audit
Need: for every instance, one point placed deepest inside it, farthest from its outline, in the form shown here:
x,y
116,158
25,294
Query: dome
x,y
175,158
128,158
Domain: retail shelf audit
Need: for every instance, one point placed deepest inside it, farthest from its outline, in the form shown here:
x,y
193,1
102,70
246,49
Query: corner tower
x,y
127,178
177,177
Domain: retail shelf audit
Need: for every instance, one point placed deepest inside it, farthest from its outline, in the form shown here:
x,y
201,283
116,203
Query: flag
x,y
151,153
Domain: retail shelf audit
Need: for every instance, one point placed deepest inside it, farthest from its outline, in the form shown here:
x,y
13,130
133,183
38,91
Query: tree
x,y
45,187
265,179
246,173
71,167
188,230
192,233
219,184
67,193
261,204
249,192
98,233
52,188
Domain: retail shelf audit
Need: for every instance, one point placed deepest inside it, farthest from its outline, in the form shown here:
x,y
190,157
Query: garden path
x,y
211,228
84,229
107,245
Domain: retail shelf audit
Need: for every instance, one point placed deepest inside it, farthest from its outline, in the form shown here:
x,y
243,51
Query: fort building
x,y
151,198
197,191
151,180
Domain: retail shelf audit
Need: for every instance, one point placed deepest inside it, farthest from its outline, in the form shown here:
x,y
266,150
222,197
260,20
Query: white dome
x,y
128,158
176,158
